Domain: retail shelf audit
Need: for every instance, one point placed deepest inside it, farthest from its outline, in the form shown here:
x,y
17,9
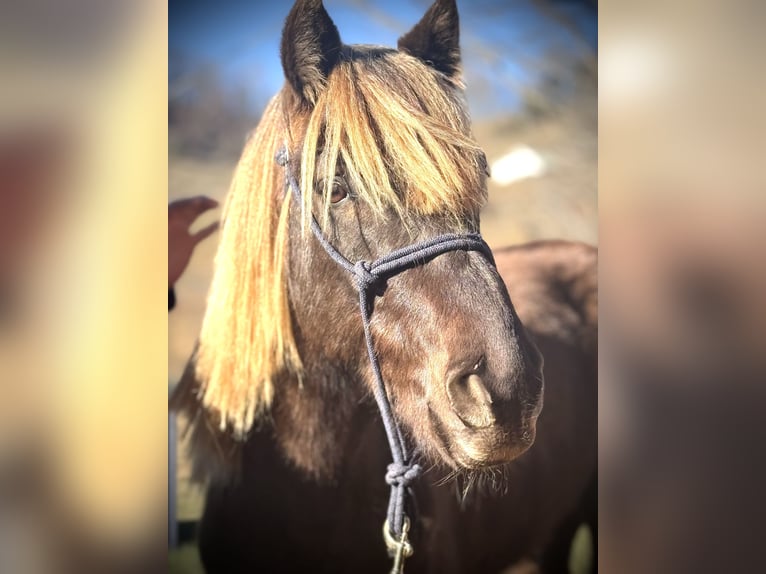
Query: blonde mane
x,y
402,136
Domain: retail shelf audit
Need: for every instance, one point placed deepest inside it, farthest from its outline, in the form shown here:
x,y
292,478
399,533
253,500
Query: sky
x,y
503,42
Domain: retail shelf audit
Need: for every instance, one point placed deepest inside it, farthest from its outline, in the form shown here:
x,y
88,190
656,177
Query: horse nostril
x,y
470,400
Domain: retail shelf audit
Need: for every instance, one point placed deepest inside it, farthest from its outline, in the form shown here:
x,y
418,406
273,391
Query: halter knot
x,y
402,474
365,279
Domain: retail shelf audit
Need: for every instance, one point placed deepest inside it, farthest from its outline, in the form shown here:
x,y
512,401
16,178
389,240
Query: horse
x,y
279,391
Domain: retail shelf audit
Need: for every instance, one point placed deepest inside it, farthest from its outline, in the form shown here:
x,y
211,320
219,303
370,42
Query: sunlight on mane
x,y
246,339
402,135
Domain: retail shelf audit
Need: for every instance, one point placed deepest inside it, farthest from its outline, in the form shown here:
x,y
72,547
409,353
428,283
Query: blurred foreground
x,y
83,174
683,287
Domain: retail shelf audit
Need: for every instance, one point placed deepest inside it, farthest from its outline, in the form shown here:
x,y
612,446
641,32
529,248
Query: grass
x,y
581,555
184,560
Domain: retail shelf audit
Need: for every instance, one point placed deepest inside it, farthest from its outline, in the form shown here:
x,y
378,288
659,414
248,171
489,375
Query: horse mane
x,y
401,135
246,339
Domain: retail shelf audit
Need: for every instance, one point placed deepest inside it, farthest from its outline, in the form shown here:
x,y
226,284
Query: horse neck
x,y
319,420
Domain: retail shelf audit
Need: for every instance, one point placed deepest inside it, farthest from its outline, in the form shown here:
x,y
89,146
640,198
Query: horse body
x,y
278,519
279,390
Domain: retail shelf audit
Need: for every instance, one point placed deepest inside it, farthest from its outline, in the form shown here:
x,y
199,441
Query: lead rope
x,y
403,471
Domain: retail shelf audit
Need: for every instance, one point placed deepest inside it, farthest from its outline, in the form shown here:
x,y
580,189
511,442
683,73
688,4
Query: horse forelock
x,y
401,132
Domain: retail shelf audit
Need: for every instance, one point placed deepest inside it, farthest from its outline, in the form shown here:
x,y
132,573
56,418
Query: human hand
x,y
181,243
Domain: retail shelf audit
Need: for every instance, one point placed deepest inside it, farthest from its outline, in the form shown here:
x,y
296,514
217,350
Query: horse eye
x,y
339,191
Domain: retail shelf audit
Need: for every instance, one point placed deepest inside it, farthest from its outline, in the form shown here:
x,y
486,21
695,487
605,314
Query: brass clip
x,y
398,549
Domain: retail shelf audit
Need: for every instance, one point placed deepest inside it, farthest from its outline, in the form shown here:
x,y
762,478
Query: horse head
x,y
380,143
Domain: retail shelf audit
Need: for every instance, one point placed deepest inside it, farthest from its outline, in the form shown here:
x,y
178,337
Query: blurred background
x,y
682,134
531,74
83,263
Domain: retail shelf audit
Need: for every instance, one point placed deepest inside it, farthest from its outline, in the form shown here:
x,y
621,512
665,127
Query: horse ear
x,y
310,48
436,38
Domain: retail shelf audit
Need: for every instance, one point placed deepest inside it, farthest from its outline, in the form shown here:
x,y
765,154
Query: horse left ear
x,y
310,48
436,39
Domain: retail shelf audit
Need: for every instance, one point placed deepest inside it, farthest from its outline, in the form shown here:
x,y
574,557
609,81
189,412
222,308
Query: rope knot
x,y
402,474
365,279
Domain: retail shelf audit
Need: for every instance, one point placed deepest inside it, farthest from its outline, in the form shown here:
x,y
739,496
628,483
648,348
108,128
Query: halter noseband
x,y
403,471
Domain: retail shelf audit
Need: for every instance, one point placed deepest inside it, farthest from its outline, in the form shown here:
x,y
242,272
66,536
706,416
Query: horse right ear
x,y
310,49
435,40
